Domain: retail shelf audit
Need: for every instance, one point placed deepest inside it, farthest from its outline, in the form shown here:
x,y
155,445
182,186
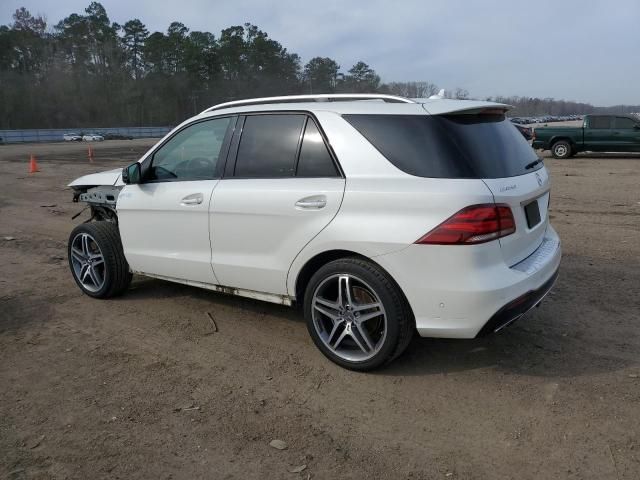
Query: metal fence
x,y
55,134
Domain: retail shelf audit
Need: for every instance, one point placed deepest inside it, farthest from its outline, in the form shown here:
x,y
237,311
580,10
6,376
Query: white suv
x,y
381,215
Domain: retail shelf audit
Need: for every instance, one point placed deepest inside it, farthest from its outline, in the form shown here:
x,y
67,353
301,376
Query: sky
x,y
582,50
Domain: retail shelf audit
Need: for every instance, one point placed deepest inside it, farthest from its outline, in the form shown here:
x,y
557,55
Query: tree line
x,y
536,107
87,71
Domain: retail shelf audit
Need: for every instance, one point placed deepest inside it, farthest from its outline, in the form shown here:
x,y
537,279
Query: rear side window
x,y
268,146
315,160
600,123
624,122
449,146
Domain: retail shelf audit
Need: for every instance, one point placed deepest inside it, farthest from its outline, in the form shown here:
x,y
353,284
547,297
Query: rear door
x,y
512,171
480,145
528,197
626,134
281,187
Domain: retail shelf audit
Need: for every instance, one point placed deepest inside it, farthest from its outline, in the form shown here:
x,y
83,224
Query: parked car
x,y
526,132
72,137
598,133
116,136
92,137
379,218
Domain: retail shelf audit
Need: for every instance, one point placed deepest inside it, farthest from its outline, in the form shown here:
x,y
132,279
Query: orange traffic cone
x,y
33,165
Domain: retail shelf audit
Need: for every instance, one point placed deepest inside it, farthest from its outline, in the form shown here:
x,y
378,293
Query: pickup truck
x,y
598,133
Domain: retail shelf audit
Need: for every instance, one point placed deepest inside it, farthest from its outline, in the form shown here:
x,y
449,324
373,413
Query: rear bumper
x,y
515,309
462,292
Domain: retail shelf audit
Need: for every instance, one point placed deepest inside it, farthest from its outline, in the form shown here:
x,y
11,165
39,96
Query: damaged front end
x,y
100,192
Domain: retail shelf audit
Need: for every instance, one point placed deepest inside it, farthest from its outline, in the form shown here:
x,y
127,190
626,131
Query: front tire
x,y
561,150
356,314
97,261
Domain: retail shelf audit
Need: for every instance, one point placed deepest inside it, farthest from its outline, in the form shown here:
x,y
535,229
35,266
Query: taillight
x,y
473,224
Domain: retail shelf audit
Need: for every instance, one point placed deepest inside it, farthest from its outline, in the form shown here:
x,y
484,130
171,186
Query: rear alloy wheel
x,y
97,261
357,315
561,149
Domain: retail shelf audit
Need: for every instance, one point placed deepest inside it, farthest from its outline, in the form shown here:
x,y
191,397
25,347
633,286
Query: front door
x,y
164,221
281,188
626,134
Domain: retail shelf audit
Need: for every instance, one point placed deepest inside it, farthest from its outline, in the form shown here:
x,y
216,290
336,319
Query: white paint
x,y
164,236
257,230
253,236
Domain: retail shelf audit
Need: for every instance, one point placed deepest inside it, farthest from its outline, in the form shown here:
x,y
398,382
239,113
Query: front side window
x,y
268,146
600,123
192,154
624,123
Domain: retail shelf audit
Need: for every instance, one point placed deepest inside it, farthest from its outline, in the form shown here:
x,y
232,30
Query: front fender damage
x,y
101,199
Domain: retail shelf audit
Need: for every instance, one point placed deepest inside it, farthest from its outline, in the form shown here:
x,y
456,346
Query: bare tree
x,y
419,89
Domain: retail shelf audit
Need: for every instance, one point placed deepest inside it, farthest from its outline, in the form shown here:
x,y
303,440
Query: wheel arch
x,y
305,273
559,138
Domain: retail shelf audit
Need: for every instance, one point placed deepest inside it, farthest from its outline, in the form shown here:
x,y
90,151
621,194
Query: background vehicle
x,y
72,137
92,137
116,136
526,132
444,233
599,133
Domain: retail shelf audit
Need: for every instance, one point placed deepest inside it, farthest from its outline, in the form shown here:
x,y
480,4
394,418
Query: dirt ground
x,y
140,386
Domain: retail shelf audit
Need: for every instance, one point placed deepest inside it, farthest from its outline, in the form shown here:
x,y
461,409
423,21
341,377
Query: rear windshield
x,y
449,146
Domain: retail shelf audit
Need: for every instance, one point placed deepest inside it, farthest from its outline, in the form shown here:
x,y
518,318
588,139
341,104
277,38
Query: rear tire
x,y
97,261
365,328
561,149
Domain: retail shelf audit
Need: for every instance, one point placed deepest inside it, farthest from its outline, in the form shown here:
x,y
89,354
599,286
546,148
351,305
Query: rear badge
x,y
508,187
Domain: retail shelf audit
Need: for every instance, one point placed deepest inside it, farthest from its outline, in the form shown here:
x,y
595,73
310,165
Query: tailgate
x,y
528,197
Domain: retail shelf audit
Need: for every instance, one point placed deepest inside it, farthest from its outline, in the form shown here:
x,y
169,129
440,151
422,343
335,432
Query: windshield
x,y
449,146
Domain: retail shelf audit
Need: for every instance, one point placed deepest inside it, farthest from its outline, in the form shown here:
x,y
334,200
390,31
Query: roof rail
x,y
335,97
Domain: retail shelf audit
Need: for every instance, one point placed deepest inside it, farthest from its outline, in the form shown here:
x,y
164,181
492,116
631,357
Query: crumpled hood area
x,y
110,177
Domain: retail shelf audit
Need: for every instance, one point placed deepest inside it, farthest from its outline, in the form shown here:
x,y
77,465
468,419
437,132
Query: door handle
x,y
314,202
193,199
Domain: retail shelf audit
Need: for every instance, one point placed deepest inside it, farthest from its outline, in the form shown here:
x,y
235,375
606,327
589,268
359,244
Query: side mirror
x,y
131,174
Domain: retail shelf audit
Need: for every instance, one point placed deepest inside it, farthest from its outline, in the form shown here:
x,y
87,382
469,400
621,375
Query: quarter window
x,y
192,154
449,146
268,146
315,160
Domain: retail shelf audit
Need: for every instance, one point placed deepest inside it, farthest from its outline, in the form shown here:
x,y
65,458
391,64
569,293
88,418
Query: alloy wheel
x,y
349,317
88,262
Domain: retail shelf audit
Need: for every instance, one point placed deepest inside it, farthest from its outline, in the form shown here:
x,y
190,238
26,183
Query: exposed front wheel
x,y
561,149
97,261
356,315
